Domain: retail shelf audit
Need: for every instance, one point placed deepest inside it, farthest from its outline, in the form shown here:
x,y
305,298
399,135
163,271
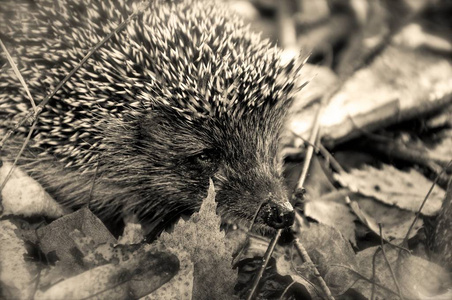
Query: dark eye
x,y
206,161
204,158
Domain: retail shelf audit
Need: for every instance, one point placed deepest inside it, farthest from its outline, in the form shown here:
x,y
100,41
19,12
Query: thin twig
x,y
304,254
365,278
27,139
335,165
313,138
292,264
374,257
248,234
319,147
309,153
307,161
389,265
310,150
18,75
91,190
408,251
405,240
307,142
286,25
286,290
265,261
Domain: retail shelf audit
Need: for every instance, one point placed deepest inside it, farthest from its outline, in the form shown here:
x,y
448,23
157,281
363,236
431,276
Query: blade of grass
x,y
405,240
383,251
18,74
24,144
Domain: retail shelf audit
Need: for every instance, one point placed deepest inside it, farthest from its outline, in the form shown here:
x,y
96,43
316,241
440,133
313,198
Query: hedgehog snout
x,y
278,214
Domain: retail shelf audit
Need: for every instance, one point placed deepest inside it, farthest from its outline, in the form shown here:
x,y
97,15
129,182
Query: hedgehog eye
x,y
206,161
204,158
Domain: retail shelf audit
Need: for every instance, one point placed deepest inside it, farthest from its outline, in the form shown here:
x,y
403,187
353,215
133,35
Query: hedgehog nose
x,y
278,215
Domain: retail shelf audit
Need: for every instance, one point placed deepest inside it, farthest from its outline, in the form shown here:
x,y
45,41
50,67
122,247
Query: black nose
x,y
278,215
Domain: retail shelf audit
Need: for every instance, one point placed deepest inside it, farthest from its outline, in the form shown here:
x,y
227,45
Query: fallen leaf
x,y
17,276
133,232
395,221
284,267
22,195
180,286
99,254
415,275
145,271
406,190
334,214
328,251
56,238
399,84
201,237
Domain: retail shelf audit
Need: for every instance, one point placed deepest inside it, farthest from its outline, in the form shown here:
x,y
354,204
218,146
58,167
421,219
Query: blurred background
x,y
342,34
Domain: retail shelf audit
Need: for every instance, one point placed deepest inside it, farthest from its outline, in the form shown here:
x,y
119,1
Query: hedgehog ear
x,y
153,121
161,133
160,121
151,130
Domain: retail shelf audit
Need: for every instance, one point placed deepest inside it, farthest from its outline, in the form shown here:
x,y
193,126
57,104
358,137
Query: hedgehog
x,y
183,94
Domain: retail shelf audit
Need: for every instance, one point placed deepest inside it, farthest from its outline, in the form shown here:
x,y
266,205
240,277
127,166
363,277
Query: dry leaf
x,y
89,264
22,195
399,84
55,237
415,275
334,214
284,266
133,232
406,190
328,250
16,275
144,272
202,239
180,287
94,254
395,221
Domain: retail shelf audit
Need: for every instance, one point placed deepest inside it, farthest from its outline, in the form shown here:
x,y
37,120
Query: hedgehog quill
x,y
183,94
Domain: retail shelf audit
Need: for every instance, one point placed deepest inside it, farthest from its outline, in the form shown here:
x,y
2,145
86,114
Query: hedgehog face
x,y
250,182
179,157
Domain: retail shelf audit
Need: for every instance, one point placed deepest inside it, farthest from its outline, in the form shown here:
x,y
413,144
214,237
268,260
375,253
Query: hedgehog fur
x,y
183,94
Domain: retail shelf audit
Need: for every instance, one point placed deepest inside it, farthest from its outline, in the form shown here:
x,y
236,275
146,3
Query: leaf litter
x,y
389,185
